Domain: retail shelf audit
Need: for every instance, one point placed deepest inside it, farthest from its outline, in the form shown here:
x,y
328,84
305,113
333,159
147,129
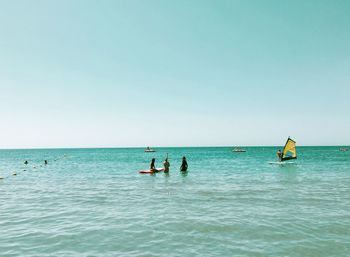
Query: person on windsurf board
x,y
279,154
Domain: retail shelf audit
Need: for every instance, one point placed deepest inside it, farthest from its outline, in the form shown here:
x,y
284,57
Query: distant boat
x,y
289,150
239,150
149,150
343,149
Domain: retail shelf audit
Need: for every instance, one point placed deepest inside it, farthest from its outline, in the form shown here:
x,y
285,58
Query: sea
x,y
94,202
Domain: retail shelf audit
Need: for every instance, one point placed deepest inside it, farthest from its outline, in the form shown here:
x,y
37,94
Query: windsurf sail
x,y
289,150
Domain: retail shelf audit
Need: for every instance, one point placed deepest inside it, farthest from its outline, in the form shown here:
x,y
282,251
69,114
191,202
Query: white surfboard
x,y
282,163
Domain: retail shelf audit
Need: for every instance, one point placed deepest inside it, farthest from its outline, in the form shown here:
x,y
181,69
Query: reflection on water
x,y
184,173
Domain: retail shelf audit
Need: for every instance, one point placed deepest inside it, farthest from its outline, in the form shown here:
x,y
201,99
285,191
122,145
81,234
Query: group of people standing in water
x,y
26,162
166,164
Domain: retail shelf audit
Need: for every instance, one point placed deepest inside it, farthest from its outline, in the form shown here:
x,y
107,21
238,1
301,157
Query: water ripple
x,y
94,203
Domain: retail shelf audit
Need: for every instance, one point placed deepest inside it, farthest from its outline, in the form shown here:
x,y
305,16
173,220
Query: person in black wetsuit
x,y
153,166
184,164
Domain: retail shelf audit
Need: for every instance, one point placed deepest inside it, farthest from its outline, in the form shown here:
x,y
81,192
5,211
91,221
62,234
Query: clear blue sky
x,y
174,73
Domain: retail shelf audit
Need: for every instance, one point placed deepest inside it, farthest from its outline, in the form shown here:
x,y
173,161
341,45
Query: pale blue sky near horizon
x,y
174,73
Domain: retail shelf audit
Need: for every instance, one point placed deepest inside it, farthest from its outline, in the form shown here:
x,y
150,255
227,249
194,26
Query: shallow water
x,y
93,202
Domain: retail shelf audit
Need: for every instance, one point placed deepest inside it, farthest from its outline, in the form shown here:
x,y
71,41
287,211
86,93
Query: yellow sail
x,y
289,150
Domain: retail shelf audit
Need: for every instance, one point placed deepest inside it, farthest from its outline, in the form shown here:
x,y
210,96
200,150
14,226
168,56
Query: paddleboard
x,y
150,171
281,163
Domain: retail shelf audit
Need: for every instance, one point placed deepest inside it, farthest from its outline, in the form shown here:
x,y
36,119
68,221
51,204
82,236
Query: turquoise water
x,y
93,202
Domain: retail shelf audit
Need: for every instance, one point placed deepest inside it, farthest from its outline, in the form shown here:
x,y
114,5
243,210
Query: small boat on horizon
x,y
239,150
149,150
343,149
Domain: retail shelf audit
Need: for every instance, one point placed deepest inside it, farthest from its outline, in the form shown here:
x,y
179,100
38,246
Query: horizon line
x,y
155,147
